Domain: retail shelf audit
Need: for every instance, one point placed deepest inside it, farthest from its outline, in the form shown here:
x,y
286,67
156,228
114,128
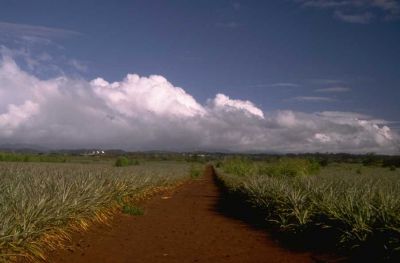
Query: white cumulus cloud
x,y
144,113
137,95
222,101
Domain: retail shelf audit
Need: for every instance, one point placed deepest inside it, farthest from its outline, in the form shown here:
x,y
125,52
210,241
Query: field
x,y
343,204
357,207
41,203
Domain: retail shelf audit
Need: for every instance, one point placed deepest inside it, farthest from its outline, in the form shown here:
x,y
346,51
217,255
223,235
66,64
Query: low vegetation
x,y
195,170
124,161
49,158
132,210
356,205
290,167
352,200
42,202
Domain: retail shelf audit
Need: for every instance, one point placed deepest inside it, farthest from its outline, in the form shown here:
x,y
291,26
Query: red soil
x,y
187,227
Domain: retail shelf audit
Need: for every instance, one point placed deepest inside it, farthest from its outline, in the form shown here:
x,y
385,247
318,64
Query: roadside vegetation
x,y
354,205
41,203
195,170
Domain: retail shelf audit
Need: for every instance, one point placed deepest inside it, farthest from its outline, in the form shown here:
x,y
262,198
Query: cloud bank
x,y
144,113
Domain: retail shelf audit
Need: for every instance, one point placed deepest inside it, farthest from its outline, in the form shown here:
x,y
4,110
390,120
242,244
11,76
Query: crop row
x,y
361,207
40,203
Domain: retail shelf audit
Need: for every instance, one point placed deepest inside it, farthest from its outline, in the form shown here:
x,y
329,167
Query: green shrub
x,y
124,161
290,167
240,166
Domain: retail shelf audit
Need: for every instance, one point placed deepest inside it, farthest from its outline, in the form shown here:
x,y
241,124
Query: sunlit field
x,y
350,202
199,131
40,203
357,206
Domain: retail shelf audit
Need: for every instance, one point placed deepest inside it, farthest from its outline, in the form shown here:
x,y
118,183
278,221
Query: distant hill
x,y
22,148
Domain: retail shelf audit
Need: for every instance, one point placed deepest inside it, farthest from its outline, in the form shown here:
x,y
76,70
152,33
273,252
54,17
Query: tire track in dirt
x,y
187,227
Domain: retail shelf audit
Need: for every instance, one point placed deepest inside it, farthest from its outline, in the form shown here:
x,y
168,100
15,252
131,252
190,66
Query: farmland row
x,y
41,203
355,208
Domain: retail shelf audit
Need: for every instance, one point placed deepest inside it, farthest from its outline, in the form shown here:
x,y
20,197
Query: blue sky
x,y
305,56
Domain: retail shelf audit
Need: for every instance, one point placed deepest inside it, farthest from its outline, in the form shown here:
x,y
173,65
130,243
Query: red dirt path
x,y
184,228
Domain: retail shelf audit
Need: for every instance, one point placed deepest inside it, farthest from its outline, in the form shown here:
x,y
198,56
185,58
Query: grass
x,y
195,170
132,210
41,203
360,205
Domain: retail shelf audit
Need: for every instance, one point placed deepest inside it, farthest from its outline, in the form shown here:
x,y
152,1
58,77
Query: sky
x,y
247,76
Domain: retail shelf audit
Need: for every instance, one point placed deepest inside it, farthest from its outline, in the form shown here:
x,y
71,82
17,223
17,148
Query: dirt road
x,y
188,226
